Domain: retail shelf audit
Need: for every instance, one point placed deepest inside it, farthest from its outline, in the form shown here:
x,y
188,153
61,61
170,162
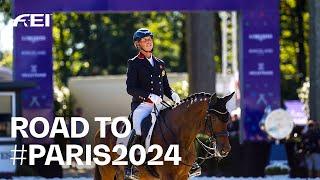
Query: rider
x,y
146,79
147,82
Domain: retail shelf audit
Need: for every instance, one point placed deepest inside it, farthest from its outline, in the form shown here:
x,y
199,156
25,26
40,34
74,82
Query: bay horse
x,y
201,112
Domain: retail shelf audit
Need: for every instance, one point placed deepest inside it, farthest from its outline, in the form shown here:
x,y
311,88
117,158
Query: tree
x,y
97,44
314,60
301,54
294,56
200,44
5,9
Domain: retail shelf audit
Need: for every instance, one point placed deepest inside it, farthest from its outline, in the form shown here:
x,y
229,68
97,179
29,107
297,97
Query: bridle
x,y
211,150
224,119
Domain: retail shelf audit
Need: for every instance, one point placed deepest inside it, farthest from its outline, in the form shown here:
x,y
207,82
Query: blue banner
x,y
33,62
260,70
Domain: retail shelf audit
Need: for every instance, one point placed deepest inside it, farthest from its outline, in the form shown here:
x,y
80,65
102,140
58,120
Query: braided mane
x,y
202,96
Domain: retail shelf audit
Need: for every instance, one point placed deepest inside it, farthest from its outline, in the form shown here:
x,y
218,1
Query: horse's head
x,y
216,123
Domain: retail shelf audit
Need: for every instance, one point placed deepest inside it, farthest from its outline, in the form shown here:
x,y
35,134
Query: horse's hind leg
x,y
107,172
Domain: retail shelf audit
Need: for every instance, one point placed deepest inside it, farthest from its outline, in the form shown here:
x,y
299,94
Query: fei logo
x,y
33,20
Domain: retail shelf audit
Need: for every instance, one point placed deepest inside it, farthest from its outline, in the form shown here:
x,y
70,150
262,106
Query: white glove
x,y
159,107
175,97
155,98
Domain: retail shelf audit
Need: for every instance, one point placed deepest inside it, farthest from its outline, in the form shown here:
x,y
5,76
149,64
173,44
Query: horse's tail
x,y
97,175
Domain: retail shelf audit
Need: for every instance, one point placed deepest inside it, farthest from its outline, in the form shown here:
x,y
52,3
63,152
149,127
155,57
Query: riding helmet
x,y
141,33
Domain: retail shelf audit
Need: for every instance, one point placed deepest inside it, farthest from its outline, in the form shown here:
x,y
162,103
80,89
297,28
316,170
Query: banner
x,y
260,70
33,63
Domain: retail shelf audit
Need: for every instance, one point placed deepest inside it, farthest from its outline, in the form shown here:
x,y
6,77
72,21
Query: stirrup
x,y
130,173
195,170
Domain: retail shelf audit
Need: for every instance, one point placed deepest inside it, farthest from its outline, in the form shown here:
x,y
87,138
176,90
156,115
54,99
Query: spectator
x,y
233,126
311,147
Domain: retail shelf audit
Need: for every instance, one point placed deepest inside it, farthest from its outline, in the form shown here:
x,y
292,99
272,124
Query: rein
x,y
173,134
164,121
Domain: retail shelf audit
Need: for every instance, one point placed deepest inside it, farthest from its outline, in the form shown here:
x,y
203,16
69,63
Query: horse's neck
x,y
190,122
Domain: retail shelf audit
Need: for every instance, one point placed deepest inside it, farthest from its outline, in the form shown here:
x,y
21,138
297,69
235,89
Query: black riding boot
x,y
130,170
195,170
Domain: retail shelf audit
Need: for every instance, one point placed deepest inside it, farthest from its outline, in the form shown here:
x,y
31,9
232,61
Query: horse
x,y
200,112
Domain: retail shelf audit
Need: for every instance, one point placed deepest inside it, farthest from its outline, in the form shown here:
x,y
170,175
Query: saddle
x,y
147,125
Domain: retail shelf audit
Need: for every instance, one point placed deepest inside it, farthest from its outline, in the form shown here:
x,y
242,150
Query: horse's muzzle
x,y
224,150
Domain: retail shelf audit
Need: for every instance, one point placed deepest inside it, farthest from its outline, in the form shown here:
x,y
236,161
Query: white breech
x,y
142,111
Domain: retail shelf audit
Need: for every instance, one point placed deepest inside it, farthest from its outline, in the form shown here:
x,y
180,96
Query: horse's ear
x,y
228,97
213,99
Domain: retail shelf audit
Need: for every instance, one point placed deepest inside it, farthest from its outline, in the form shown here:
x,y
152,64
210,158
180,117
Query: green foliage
x,y
6,60
63,102
294,49
5,9
97,44
181,88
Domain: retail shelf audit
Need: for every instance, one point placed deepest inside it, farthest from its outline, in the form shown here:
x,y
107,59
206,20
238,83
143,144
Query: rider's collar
x,y
141,56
